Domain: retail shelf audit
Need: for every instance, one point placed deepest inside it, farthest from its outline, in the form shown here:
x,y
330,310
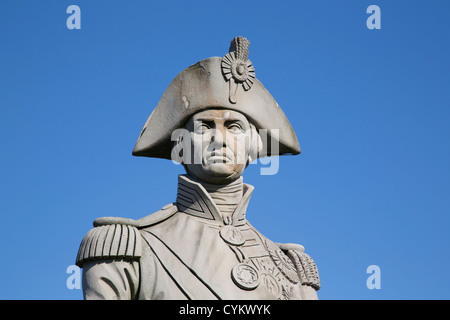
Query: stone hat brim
x,y
200,87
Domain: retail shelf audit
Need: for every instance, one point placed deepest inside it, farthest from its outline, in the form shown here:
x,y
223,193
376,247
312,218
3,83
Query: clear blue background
x,y
370,109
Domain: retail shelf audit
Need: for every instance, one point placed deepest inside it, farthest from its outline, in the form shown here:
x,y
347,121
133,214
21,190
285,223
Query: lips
x,y
218,157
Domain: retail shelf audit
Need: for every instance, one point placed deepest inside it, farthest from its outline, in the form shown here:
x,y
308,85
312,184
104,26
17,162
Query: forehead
x,y
219,115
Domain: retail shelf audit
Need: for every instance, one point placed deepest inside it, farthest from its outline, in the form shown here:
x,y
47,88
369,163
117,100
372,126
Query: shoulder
x,y
111,238
165,213
118,238
305,265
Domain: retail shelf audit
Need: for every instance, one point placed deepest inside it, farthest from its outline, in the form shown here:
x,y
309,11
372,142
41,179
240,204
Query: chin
x,y
216,173
219,169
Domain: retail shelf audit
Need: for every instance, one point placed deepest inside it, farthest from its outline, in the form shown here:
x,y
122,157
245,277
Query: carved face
x,y
220,143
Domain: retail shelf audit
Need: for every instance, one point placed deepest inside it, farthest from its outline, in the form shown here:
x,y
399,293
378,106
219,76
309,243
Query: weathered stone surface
x,y
202,246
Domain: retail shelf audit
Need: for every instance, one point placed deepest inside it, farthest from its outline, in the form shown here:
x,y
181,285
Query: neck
x,y
225,196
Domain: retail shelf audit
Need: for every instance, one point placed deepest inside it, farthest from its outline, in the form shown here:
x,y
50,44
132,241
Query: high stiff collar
x,y
193,199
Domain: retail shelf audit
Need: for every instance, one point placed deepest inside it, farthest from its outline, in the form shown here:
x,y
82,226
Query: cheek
x,y
239,145
199,142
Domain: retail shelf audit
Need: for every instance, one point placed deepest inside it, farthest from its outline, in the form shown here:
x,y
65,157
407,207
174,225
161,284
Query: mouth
x,y
218,157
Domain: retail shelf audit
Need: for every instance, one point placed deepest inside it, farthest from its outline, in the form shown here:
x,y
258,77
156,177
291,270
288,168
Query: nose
x,y
218,138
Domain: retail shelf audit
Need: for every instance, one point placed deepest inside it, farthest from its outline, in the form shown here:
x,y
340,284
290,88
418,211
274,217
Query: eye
x,y
235,128
201,127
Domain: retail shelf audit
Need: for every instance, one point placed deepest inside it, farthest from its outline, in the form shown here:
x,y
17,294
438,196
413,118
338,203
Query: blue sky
x,y
371,109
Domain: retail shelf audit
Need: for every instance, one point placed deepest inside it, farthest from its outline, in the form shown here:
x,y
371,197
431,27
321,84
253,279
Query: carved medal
x,y
232,235
245,276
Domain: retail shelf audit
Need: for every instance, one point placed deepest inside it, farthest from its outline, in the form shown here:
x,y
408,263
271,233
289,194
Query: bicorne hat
x,y
217,83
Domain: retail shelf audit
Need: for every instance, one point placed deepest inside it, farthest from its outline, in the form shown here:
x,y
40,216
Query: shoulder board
x,y
166,212
103,221
111,238
291,246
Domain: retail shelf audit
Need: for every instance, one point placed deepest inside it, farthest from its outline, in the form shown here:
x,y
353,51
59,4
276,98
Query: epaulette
x,y
305,265
111,238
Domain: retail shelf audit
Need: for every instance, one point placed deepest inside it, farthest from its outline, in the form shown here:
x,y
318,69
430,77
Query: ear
x,y
177,151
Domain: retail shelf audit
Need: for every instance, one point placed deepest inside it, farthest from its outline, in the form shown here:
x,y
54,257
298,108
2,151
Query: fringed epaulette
x,y
305,265
111,238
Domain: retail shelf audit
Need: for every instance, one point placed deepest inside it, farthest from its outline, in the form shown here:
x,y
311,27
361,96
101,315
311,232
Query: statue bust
x,y
214,118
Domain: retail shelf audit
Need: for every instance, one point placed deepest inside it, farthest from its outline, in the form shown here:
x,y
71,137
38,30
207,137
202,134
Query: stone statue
x,y
214,118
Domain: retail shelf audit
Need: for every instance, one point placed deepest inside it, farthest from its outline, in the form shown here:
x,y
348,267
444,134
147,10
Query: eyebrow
x,y
227,122
211,119
234,120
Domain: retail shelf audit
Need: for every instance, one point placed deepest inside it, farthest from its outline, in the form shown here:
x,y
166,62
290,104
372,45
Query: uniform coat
x,y
185,251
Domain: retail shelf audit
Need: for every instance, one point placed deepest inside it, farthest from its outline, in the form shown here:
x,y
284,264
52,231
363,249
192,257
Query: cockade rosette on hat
x,y
217,83
236,67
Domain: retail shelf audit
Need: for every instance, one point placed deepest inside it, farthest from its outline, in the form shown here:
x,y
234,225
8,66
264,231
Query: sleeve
x,y
111,280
